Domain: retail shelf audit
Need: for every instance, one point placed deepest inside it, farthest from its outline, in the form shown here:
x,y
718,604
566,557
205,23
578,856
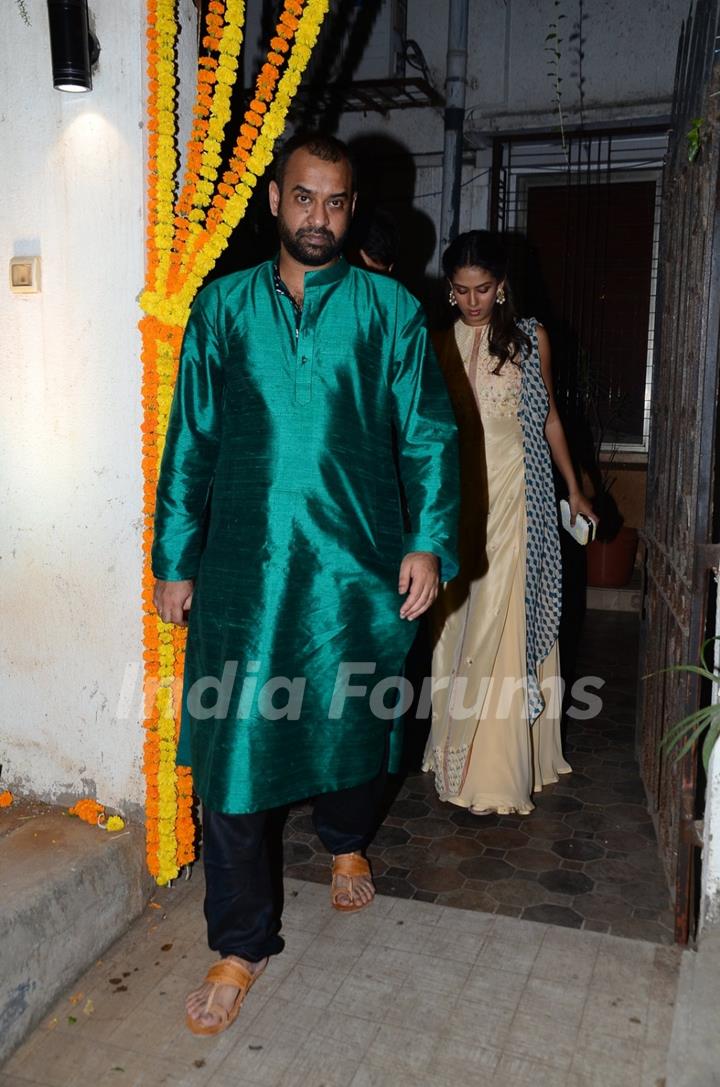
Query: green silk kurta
x,y
279,495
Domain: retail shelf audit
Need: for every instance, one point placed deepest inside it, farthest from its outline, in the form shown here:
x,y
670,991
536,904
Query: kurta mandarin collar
x,y
323,277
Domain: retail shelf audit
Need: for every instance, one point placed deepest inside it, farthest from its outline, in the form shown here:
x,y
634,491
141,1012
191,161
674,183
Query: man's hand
x,y
419,572
172,599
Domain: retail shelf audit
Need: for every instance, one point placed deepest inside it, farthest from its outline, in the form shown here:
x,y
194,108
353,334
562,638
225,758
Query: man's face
x,y
314,208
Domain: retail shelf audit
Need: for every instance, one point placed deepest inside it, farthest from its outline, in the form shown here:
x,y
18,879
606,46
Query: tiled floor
x,y
585,858
405,994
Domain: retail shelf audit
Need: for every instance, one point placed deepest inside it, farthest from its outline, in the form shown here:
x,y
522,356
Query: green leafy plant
x,y
694,138
683,735
553,41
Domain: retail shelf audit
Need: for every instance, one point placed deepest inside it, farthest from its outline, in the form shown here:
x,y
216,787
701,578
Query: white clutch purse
x,y
583,530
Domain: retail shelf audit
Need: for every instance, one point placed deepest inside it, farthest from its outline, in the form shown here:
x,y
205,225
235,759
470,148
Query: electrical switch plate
x,y
25,275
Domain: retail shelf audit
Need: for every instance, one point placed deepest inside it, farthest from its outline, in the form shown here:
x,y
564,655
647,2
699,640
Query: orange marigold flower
x,y
289,20
6,798
88,810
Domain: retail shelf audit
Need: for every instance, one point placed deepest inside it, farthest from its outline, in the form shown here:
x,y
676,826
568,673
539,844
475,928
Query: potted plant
x,y
611,555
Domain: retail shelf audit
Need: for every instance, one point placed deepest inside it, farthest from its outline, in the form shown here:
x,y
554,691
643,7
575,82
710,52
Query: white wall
x,y
70,479
710,893
710,875
628,64
627,69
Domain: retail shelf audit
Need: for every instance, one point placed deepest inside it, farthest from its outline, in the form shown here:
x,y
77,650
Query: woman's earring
x,y
500,297
451,298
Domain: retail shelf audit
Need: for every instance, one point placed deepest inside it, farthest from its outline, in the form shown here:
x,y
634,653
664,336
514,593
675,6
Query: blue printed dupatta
x,y
543,578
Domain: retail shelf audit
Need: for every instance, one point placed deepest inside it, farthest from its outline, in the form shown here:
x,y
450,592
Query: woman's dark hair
x,y
483,249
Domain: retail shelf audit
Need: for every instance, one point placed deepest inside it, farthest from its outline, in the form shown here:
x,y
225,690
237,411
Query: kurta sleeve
x,y
427,442
190,454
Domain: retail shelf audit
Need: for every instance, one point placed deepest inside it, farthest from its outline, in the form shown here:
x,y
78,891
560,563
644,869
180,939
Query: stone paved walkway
x,y
405,994
585,858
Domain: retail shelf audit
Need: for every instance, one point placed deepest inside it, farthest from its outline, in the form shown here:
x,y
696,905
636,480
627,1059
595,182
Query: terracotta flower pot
x,y
610,565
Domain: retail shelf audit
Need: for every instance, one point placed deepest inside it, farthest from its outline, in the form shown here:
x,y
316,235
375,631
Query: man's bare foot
x,y
363,888
196,1002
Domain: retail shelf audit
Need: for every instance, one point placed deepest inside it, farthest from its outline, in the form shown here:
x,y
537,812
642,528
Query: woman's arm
x,y
556,436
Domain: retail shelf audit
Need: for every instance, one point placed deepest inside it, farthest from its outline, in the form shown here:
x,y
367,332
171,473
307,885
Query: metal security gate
x,y
681,526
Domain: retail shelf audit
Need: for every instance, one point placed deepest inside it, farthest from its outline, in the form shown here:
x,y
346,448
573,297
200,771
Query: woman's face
x,y
475,290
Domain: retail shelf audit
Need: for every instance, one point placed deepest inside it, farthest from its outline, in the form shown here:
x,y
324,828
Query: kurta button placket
x,y
303,361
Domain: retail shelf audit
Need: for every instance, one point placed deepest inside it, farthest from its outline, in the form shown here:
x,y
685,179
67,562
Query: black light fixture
x,y
74,49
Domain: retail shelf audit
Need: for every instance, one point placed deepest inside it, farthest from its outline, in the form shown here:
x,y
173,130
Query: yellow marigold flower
x,y
168,837
114,823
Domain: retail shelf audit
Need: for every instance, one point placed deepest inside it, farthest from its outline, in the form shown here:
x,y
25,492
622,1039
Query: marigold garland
x,y
188,227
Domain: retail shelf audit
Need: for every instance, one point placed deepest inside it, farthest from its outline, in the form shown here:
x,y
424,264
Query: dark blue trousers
x,y
242,856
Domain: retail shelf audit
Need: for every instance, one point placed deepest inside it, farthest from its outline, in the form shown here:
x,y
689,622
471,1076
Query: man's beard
x,y
313,253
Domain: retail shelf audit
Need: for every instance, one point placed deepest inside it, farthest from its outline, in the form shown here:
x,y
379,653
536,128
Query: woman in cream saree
x,y
497,693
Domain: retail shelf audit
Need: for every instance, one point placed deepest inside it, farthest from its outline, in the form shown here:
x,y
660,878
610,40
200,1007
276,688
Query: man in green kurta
x,y
306,388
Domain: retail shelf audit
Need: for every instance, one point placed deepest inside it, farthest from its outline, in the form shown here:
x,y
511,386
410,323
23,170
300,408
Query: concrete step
x,y
69,890
694,1058
628,598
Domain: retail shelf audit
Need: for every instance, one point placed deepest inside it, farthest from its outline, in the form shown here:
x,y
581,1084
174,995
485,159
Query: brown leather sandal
x,y
224,972
350,866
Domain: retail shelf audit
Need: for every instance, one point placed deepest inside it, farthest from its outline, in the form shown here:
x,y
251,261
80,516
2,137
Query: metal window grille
x,y
588,165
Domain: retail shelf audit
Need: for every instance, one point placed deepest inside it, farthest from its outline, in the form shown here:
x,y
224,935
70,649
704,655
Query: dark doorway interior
x,y
581,219
590,249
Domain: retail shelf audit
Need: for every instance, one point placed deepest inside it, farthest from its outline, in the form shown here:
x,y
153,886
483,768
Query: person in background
x,y
495,732
373,241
